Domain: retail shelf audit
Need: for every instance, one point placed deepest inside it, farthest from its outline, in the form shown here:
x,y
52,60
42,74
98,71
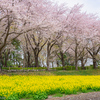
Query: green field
x,y
58,72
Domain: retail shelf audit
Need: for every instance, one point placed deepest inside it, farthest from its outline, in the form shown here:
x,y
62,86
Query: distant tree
x,y
93,39
10,23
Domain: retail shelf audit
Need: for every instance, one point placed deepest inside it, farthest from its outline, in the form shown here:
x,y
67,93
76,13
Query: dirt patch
x,y
82,96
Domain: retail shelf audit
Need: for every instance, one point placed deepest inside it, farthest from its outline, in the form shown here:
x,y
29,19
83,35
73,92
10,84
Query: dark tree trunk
x,y
76,59
5,63
48,55
6,59
28,60
94,63
94,59
57,62
94,53
82,63
6,56
36,60
47,62
76,66
0,62
0,68
62,60
38,48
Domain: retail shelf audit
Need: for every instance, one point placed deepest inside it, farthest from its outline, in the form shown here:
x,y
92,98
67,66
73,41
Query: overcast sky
x,y
90,6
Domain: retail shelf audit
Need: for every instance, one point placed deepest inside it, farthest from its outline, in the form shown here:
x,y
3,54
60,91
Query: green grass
x,y
27,99
62,95
58,72
29,68
58,95
67,68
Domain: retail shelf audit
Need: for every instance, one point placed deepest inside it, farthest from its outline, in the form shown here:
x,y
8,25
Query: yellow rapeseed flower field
x,y
21,86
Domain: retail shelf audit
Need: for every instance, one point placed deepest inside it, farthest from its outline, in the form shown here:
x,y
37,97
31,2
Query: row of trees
x,y
41,31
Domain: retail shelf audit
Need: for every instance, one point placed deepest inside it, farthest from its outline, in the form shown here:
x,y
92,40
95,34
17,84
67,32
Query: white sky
x,y
90,6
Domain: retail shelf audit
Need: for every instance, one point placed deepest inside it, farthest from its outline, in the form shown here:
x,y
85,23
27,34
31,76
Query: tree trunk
x,y
82,63
0,62
6,59
94,59
94,63
5,62
94,54
52,65
0,68
76,65
36,60
57,62
48,61
25,60
48,55
28,60
76,58
62,60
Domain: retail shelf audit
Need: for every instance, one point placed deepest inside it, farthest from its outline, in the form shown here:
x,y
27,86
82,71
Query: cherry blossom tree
x,y
10,22
75,28
78,26
46,25
64,45
41,23
93,46
40,13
